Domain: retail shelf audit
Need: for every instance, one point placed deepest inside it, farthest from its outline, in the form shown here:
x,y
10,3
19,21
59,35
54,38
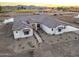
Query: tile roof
x,y
47,20
21,22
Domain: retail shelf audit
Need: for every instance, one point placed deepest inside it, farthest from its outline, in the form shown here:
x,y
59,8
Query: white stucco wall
x,y
55,30
67,29
47,29
20,34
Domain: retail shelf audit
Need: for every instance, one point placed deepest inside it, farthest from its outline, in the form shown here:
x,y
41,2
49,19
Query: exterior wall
x,y
55,30
67,29
20,33
47,29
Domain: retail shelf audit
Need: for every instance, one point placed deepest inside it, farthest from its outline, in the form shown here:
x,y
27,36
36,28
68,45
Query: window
x,y
59,29
26,32
64,27
28,22
52,29
16,31
38,25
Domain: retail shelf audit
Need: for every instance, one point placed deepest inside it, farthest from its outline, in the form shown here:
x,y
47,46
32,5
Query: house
x,y
76,18
21,27
8,20
51,25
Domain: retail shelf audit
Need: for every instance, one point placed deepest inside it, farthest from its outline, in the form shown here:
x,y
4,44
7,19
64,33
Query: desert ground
x,y
64,45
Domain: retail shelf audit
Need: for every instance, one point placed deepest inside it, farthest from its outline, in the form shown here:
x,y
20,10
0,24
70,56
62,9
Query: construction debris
x,y
39,39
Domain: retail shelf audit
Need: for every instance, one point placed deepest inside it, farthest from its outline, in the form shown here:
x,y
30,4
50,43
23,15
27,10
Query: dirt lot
x,y
69,18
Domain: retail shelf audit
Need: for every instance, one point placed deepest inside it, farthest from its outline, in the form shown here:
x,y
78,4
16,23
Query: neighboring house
x,y
51,25
76,18
8,20
21,27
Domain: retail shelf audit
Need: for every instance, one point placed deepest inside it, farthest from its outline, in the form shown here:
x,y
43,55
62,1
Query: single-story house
x,y
23,26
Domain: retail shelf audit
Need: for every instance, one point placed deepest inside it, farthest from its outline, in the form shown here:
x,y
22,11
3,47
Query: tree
x,y
59,8
0,8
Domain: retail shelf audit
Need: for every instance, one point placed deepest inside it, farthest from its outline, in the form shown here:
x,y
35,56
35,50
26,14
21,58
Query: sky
x,y
59,2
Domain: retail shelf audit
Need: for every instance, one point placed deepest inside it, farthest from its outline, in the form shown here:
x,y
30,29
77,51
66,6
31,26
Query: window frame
x,y
26,31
